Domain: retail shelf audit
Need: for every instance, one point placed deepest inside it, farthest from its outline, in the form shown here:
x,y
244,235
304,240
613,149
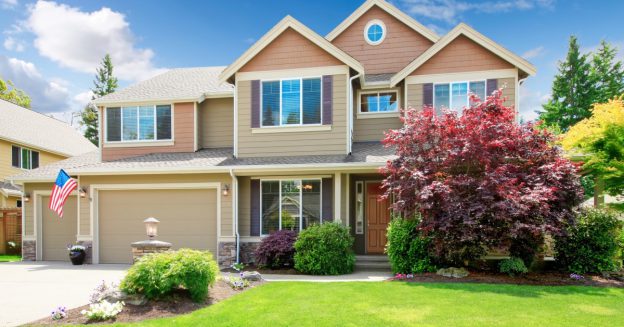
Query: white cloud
x,y
47,96
531,103
12,44
533,53
451,10
79,40
8,4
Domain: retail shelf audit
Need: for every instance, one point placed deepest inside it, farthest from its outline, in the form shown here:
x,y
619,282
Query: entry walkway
x,y
357,276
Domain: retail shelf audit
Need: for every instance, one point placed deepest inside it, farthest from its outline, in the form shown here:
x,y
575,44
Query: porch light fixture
x,y
151,227
26,197
82,192
226,189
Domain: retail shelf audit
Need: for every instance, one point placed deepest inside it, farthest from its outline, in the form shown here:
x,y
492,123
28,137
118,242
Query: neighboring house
x,y
28,140
286,136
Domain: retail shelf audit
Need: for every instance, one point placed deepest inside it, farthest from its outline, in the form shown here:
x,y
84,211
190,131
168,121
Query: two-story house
x,y
286,136
28,140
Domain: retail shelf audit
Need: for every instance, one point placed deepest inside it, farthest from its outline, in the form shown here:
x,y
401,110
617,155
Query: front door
x,y
377,218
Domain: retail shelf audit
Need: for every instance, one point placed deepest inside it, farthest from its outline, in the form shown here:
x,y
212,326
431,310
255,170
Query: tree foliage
x,y
479,179
583,79
9,93
105,83
601,138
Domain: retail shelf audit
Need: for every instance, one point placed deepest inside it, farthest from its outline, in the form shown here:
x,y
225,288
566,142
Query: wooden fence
x,y
10,230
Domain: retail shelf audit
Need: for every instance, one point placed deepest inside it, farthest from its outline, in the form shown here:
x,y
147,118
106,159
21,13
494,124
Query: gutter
x,y
235,212
350,134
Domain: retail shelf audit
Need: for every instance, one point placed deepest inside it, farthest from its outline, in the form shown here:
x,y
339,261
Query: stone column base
x,y
227,253
142,248
29,250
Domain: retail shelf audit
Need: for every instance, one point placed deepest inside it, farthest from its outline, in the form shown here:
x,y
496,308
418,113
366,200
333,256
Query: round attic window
x,y
374,32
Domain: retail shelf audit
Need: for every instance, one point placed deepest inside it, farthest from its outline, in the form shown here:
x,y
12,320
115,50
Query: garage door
x,y
188,219
57,233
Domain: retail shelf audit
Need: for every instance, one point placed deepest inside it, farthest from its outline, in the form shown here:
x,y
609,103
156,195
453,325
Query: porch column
x,y
337,199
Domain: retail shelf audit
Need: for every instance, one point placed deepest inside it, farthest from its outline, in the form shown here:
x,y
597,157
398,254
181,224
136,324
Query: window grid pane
x,y
311,101
270,103
146,123
478,88
129,123
459,97
388,102
291,102
25,158
441,97
311,203
163,122
290,205
113,124
270,206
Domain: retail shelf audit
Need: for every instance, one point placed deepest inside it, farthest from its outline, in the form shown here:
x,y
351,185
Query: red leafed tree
x,y
480,180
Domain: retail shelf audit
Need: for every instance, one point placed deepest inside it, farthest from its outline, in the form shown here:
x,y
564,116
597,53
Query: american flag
x,y
63,187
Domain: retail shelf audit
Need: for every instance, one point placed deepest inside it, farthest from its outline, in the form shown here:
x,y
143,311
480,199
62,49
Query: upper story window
x,y
24,158
379,101
289,102
290,204
375,32
142,123
455,96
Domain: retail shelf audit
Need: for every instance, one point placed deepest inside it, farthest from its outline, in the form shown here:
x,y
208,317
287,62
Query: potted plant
x,y
77,254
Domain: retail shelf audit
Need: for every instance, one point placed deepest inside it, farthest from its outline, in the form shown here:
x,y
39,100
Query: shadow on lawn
x,y
527,291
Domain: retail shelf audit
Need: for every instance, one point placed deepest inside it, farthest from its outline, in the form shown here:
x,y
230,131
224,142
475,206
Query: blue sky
x,y
51,49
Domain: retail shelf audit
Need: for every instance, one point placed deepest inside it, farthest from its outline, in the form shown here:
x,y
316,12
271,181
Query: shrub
x,y
513,266
408,250
325,249
157,275
277,250
591,244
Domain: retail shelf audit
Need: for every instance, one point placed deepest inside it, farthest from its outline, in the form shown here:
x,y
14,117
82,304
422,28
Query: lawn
x,y
9,258
409,304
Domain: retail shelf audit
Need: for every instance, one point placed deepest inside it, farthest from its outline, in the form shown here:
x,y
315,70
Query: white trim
x,y
38,220
451,77
378,114
284,24
235,122
78,204
138,142
133,144
348,199
131,103
384,31
450,85
215,95
281,83
390,9
463,29
291,129
299,72
195,127
337,197
95,188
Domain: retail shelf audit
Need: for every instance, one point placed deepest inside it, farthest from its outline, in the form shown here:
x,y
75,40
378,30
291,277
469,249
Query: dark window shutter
x,y
428,94
328,97
328,196
15,162
491,86
35,159
255,208
255,104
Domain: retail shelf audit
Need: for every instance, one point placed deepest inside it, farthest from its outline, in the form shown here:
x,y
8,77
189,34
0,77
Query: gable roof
x,y
390,9
176,85
469,32
289,22
38,131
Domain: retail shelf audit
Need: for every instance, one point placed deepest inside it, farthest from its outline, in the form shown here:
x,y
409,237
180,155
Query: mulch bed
x,y
179,303
537,279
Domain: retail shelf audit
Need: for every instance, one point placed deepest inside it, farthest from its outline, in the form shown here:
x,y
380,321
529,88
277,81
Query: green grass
x,y
9,258
410,304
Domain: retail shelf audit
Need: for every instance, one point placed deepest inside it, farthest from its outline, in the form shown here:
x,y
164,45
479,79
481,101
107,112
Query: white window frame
x,y
280,180
281,125
450,84
30,157
121,125
378,113
384,31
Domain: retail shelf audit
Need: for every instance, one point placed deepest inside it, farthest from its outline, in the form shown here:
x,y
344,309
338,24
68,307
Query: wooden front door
x,y
377,218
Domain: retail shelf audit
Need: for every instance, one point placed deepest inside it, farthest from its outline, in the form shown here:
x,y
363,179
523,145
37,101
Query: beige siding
x,y
290,50
244,206
183,134
293,143
373,129
226,201
216,123
29,212
509,90
415,96
400,47
462,55
6,168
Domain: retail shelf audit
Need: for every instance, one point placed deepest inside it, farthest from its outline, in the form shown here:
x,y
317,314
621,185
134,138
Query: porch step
x,y
372,262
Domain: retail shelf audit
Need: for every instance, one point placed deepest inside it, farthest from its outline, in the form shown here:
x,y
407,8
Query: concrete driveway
x,y
30,291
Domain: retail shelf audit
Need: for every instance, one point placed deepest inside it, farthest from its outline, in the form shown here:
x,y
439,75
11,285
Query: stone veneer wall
x,y
29,250
227,253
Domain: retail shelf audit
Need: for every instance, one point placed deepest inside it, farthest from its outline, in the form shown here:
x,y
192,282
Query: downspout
x,y
235,212
350,136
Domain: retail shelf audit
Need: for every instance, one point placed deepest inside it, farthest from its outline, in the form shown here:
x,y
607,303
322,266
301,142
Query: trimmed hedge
x,y
408,250
157,275
325,249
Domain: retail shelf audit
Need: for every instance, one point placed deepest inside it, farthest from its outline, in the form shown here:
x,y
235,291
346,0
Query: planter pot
x,y
77,257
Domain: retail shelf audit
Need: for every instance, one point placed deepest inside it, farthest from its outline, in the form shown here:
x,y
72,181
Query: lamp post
x,y
151,227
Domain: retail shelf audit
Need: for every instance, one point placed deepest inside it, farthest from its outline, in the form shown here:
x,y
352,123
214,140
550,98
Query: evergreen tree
x,y
104,83
607,74
572,91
